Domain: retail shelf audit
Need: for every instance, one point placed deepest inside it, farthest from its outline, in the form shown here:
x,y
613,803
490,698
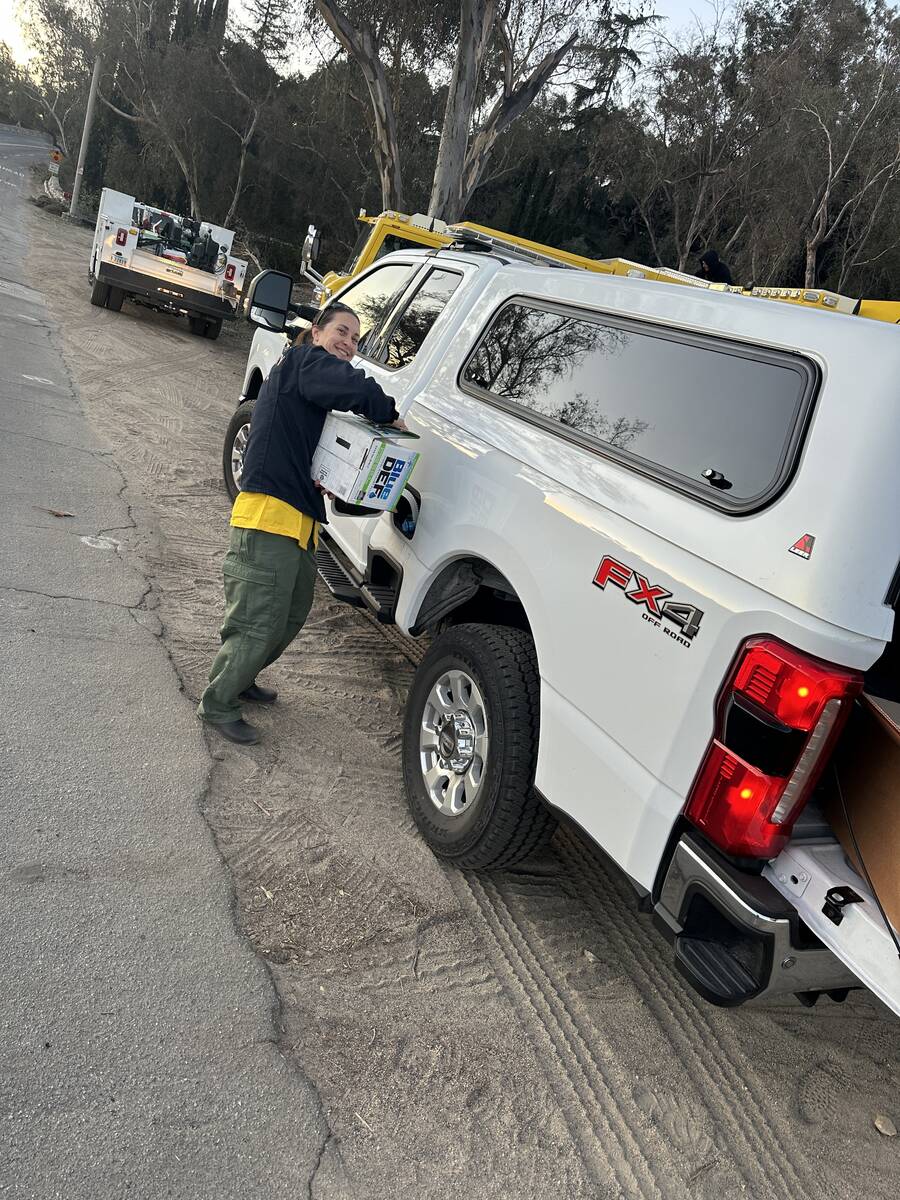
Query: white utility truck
x,y
654,536
169,263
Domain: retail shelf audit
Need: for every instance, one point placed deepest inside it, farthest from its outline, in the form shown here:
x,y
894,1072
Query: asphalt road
x,y
138,1031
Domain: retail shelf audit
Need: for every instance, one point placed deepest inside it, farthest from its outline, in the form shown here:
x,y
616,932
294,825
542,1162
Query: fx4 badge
x,y
656,602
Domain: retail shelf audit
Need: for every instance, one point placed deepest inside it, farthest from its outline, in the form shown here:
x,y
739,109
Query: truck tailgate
x,y
165,269
804,873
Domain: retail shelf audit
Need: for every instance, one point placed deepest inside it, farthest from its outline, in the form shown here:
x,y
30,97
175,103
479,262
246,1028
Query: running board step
x,y
336,577
381,600
340,579
714,971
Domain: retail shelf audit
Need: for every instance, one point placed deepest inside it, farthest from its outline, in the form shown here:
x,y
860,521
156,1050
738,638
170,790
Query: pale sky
x,y
9,30
678,12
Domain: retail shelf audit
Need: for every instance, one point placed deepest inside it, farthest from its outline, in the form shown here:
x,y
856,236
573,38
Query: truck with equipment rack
x,y
391,231
165,262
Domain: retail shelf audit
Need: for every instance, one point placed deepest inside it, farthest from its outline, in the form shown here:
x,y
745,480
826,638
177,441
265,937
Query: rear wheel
x,y
470,742
235,447
114,299
198,326
99,294
214,328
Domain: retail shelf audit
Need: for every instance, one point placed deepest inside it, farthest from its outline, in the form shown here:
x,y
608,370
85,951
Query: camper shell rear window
x,y
719,420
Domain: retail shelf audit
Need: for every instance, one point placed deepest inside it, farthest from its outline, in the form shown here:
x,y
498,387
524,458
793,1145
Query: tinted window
x,y
362,237
414,324
390,244
682,405
371,299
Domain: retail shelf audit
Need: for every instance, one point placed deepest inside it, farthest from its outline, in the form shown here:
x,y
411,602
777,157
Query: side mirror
x,y
311,247
268,299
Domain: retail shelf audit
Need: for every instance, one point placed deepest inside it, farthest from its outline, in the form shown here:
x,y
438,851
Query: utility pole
x,y
85,137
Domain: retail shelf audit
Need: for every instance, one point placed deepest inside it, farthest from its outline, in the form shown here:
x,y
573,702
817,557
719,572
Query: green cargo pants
x,y
269,582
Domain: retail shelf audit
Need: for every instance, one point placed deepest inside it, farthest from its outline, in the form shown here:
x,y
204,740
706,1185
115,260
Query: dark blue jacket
x,y
288,416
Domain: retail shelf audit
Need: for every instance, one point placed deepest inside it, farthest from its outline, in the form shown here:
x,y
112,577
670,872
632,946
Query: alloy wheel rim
x,y
238,450
454,741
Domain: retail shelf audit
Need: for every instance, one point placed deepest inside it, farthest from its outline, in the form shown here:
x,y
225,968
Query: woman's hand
x,y
319,488
400,424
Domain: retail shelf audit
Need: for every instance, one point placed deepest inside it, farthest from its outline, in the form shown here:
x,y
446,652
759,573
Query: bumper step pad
x,y
714,971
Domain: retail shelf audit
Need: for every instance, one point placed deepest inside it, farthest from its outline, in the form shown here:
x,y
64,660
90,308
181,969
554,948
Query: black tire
x,y
506,821
238,422
99,294
114,299
214,328
198,326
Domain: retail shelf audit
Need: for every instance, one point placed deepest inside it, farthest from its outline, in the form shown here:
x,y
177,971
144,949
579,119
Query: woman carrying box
x,y
270,567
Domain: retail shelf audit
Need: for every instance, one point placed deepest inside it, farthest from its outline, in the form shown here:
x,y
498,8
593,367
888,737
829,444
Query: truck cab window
x,y
391,244
373,297
413,325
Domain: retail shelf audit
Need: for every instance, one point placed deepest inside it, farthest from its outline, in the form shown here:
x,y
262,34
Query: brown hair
x,y
324,317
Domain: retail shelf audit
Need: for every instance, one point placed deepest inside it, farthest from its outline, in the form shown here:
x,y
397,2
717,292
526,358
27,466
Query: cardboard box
x,y
363,463
867,761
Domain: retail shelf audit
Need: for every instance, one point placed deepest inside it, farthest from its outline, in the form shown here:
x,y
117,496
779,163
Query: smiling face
x,y
339,336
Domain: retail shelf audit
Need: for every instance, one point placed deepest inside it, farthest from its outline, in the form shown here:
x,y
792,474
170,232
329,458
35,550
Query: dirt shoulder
x,y
519,1035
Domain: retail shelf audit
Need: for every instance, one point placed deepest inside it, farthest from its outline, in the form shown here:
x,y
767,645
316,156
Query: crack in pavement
x,y
81,599
317,1165
29,437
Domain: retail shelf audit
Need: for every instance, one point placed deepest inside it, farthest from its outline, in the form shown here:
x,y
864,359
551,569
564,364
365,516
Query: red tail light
x,y
122,237
229,272
743,809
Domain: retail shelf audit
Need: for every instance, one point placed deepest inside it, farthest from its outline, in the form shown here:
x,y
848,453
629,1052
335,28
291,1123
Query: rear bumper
x,y
735,937
173,296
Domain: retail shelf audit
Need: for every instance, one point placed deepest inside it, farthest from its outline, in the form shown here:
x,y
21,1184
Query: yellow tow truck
x,y
392,231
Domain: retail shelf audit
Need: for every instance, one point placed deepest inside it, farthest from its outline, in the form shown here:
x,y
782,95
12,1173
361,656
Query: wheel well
x,y
256,382
470,590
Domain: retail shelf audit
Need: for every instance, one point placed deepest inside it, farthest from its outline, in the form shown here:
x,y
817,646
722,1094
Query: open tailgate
x,y
861,941
863,807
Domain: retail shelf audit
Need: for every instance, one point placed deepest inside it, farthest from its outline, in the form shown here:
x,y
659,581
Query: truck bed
x,y
149,263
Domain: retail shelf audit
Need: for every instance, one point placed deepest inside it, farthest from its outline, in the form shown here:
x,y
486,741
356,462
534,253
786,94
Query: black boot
x,y
256,694
236,731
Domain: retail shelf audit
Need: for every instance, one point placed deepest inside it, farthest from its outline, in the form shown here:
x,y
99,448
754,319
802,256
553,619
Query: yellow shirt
x,y
255,510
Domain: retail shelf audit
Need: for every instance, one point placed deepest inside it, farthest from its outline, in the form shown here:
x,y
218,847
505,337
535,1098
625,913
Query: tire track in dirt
x,y
595,1114
758,1138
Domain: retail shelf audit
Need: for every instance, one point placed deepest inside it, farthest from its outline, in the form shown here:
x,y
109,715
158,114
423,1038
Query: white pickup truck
x,y
654,536
166,262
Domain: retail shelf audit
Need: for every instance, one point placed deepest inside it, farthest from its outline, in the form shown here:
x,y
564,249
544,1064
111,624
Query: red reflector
x,y
229,272
789,685
121,237
732,802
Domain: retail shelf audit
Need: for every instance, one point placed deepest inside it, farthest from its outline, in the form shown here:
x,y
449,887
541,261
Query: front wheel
x,y
470,740
235,447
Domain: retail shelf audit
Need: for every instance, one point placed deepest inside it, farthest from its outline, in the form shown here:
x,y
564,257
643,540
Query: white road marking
x,y
100,543
38,379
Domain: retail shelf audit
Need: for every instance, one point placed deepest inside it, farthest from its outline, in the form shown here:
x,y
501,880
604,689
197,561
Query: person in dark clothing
x,y
712,269
270,567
